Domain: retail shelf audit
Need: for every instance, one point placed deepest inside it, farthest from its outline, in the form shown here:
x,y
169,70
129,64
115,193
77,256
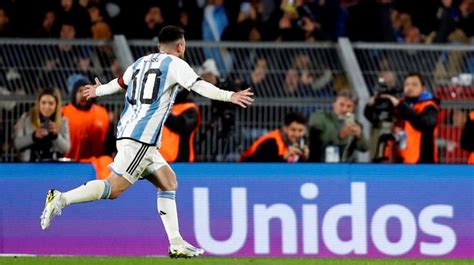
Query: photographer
x,y
222,122
381,113
416,120
42,134
281,145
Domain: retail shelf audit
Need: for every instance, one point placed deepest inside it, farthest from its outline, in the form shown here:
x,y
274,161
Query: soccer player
x,y
151,84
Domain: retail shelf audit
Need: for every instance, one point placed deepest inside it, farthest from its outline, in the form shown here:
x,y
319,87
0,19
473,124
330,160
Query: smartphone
x,y
349,119
301,144
45,124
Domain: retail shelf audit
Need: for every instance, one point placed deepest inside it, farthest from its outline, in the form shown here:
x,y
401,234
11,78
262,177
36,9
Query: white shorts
x,y
135,160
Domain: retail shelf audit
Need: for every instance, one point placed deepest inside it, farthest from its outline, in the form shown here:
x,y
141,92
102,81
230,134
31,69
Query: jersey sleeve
x,y
183,74
125,78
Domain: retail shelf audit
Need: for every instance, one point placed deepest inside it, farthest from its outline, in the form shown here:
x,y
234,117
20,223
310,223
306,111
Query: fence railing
x,y
296,76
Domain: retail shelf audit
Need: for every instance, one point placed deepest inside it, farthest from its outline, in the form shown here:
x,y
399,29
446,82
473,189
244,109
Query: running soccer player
x,y
151,84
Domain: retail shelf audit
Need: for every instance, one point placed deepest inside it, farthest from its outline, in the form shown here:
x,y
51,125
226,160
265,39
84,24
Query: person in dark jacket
x,y
417,122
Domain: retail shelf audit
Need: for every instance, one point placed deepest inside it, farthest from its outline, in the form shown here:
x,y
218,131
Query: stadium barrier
x,y
320,68
253,210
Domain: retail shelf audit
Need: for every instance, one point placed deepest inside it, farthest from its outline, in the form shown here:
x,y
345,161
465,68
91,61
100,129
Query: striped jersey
x,y
152,83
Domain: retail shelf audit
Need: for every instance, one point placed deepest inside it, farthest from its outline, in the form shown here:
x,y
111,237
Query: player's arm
x,y
98,89
116,85
187,78
242,98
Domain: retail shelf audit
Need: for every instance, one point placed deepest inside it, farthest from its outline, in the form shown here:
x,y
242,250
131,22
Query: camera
x,y
383,107
224,112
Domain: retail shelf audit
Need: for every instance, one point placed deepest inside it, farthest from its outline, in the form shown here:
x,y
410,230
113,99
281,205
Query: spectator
x,y
465,19
49,25
259,80
335,136
88,123
5,25
294,85
42,134
100,28
180,129
286,144
214,22
152,23
245,28
467,137
417,122
412,35
71,12
66,58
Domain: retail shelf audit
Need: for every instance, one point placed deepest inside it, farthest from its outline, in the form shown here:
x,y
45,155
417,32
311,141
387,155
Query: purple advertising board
x,y
251,210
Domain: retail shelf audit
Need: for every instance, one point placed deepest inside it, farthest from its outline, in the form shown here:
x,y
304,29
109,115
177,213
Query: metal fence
x,y
448,72
292,70
296,76
27,65
222,136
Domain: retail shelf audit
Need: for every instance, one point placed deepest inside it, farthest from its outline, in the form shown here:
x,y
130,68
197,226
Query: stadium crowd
x,y
401,21
397,21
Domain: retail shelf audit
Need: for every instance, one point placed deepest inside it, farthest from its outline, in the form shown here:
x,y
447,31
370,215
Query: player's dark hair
x,y
170,34
294,117
415,74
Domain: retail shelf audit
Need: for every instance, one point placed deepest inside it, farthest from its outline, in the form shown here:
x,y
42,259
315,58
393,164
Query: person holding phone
x,y
281,145
335,135
42,134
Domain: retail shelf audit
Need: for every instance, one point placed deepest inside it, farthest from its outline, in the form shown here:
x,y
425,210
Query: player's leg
x,y
128,164
164,179
90,191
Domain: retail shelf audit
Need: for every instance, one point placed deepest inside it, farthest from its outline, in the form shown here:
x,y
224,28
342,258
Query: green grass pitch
x,y
219,261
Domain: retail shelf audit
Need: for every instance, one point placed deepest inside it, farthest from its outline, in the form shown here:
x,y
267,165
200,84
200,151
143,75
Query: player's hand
x,y
242,98
89,92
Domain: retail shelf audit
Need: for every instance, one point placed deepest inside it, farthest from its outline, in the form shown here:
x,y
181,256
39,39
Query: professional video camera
x,y
383,119
223,119
224,112
383,107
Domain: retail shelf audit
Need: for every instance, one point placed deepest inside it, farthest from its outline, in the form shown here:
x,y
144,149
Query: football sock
x,y
91,191
166,205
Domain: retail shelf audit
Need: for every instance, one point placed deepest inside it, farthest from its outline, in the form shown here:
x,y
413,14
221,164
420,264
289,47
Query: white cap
x,y
209,67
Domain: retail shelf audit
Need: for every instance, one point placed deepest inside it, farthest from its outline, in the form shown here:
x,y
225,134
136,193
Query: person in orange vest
x,y
88,124
417,122
467,137
281,145
88,128
180,129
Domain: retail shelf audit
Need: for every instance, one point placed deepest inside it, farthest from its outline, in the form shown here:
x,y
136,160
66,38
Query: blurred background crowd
x,y
307,108
399,21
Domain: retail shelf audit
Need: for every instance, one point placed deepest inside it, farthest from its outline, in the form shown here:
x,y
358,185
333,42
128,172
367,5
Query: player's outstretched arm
x,y
206,89
242,98
98,89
